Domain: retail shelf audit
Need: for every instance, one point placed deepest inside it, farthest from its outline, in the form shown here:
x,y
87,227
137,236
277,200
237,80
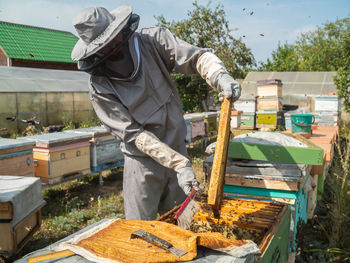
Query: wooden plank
x,y
260,198
312,199
279,240
216,186
242,180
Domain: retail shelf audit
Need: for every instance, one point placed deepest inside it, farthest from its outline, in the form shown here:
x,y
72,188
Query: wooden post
x,y
217,178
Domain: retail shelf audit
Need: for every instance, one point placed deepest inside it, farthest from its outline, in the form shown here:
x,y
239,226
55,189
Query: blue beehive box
x,y
105,152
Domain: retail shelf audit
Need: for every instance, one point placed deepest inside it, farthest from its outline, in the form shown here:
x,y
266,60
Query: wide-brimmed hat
x,y
96,27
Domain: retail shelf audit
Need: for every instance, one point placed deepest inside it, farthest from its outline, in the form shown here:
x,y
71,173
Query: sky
x,y
261,24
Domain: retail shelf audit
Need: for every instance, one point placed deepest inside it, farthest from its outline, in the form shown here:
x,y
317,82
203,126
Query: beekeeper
x,y
132,93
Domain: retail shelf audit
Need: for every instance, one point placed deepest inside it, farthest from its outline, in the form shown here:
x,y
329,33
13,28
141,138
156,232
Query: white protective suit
x,y
145,112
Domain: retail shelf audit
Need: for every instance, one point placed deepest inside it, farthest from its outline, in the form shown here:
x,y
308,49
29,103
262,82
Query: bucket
x,y
302,122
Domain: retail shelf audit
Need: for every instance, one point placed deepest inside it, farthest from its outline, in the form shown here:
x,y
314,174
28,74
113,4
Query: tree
x,y
207,28
325,49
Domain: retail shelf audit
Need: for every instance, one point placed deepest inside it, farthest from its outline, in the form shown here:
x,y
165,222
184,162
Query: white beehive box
x,y
245,105
325,103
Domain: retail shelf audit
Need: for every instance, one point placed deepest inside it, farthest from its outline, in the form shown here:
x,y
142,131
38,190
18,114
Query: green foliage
x,y
342,81
283,59
325,49
207,28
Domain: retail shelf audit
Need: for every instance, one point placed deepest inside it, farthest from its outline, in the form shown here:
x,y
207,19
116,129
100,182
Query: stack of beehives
x,y
269,104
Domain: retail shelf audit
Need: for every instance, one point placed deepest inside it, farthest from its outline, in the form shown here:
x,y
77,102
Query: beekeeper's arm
x,y
148,143
184,58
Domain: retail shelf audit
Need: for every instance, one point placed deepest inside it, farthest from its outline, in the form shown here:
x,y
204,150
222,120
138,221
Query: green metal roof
x,y
35,43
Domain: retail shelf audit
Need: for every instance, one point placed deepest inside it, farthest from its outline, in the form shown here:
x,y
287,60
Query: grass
x,y
326,237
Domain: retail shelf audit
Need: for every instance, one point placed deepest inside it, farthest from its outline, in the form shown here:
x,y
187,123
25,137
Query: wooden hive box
x,y
269,88
269,103
105,152
60,155
266,223
16,157
195,126
20,211
269,91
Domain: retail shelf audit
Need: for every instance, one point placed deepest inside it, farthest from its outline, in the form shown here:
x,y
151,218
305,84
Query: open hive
x,y
239,219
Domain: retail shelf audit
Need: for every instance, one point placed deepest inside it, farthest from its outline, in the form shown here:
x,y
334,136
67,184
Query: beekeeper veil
x,y
102,34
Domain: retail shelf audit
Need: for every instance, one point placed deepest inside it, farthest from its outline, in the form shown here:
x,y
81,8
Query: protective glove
x,y
187,179
228,87
149,144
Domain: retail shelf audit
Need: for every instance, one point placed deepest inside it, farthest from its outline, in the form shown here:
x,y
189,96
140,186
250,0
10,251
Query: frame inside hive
x,y
240,219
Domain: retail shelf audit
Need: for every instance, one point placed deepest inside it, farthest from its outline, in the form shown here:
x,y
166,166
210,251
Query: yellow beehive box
x,y
60,154
269,103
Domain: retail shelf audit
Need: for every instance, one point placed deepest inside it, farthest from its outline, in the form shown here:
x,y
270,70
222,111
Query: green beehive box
x,y
269,119
248,120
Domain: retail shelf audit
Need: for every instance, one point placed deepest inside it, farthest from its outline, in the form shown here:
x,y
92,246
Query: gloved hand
x,y
229,87
187,179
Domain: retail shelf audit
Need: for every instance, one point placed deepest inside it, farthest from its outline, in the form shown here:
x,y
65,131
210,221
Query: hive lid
x,y
14,143
210,114
93,131
193,116
56,138
269,82
24,193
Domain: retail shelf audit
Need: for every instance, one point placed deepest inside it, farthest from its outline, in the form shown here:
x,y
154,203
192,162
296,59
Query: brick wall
x,y
43,64
3,58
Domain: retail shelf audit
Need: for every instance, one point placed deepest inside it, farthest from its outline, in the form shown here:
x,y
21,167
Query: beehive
x,y
235,119
210,122
269,119
195,126
58,155
245,105
20,205
266,223
105,152
248,120
269,103
16,157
